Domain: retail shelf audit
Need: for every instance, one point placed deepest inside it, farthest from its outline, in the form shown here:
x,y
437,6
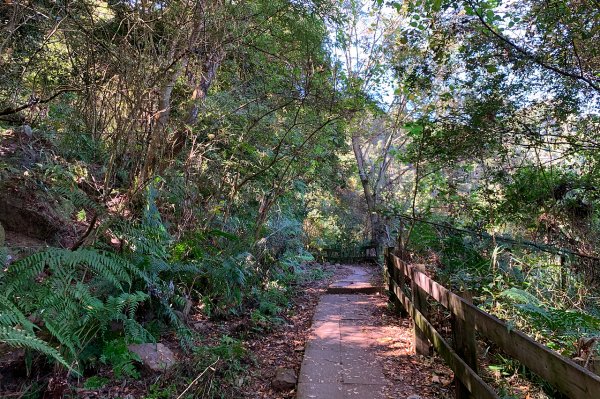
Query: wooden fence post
x,y
419,300
463,333
400,279
389,267
392,272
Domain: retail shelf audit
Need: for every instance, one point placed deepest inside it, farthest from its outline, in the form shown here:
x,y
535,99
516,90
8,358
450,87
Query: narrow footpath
x,y
358,349
339,358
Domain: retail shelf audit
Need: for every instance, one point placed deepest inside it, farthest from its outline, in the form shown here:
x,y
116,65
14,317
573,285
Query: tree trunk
x,y
201,87
155,144
377,226
377,231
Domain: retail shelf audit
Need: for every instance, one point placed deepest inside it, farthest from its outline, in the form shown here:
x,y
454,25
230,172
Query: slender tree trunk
x,y
377,227
155,144
266,203
201,87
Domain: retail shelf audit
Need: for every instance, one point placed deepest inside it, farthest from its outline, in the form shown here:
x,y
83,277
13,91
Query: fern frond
x,y
21,339
82,293
136,332
11,315
63,335
77,197
20,273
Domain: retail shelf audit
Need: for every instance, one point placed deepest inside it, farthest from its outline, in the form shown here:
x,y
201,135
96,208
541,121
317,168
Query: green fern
x,y
121,359
75,295
21,339
520,296
148,246
18,331
78,198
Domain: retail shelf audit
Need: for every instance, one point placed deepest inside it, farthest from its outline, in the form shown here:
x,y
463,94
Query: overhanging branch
x,y
34,101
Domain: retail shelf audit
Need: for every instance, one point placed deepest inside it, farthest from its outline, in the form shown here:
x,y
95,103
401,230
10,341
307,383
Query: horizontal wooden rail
x,y
354,254
469,377
566,376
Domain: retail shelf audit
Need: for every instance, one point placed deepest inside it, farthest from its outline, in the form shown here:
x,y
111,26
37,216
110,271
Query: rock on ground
x,y
27,131
284,379
156,357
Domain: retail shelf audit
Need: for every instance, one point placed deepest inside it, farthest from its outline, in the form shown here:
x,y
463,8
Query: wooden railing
x,y
363,253
563,374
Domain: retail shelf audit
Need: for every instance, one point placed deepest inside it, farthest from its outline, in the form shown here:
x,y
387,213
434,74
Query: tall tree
x,y
361,42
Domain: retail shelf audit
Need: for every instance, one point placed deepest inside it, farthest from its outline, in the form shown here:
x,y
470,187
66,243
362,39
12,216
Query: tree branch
x,y
34,101
536,59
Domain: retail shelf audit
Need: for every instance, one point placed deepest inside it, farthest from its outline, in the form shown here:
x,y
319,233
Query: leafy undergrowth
x,y
233,356
238,356
72,302
527,289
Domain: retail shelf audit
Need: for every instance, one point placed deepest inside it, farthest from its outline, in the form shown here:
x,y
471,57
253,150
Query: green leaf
x,y
414,129
95,382
81,216
224,234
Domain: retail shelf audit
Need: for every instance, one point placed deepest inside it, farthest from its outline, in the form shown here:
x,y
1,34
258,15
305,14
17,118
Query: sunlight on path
x,y
339,360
